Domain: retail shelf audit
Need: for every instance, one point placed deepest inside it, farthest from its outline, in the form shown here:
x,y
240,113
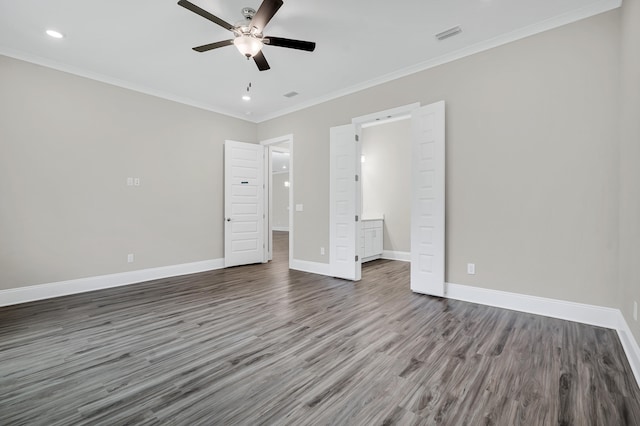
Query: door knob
x,y
228,219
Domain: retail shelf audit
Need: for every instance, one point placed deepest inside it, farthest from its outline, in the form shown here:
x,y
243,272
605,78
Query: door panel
x,y
244,203
344,259
427,207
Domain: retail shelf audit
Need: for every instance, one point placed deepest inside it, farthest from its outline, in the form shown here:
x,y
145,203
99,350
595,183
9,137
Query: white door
x,y
243,203
344,203
427,204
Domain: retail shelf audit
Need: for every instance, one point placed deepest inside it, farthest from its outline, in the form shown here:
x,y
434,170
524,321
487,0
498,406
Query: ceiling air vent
x,y
290,94
449,33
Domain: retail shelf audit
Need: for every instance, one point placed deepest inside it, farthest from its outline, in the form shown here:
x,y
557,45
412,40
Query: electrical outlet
x,y
322,251
635,310
129,181
136,181
130,258
471,268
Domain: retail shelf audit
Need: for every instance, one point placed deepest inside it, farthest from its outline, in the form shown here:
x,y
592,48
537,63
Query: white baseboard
x,y
370,258
280,228
63,288
404,256
630,346
579,312
571,311
312,267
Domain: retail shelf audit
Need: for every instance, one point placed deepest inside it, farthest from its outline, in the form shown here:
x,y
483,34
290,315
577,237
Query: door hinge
x,y
357,138
356,218
357,178
356,257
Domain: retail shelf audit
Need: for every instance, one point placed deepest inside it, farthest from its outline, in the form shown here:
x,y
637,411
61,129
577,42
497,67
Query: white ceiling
x,y
146,44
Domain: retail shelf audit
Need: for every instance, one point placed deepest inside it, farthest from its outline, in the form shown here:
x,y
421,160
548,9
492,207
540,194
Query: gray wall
x,y
386,180
532,162
630,163
67,145
280,200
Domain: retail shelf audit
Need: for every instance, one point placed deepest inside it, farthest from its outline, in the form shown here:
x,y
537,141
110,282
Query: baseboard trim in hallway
x,y
18,295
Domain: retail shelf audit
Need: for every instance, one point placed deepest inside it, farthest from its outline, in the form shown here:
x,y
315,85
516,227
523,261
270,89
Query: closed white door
x,y
243,203
427,206
344,203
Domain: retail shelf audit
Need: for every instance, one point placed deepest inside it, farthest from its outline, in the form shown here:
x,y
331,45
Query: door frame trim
x,y
385,116
374,119
267,143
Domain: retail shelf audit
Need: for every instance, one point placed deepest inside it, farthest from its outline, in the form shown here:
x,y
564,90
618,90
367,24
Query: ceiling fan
x,y
249,38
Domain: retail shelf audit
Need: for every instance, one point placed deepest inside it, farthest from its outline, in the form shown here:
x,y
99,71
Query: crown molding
x,y
551,23
50,63
548,24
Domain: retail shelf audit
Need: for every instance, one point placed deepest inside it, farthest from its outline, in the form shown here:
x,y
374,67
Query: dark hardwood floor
x,y
261,344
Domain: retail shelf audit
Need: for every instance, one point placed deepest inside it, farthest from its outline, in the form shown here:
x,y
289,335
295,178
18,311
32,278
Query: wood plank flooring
x,y
261,344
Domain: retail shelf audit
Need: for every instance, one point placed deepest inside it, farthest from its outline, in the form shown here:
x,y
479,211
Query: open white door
x,y
427,204
243,203
344,203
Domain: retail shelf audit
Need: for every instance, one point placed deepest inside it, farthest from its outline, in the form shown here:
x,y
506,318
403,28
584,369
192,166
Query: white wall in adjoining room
x,y
386,180
280,173
280,199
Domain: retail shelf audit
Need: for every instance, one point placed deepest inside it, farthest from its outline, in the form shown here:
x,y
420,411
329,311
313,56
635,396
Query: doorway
x,y
279,198
386,190
427,251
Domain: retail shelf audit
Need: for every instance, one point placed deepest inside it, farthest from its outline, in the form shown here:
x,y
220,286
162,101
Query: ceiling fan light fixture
x,y
248,45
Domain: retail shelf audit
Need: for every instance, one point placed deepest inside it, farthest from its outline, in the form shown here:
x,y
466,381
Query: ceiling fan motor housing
x,y
248,13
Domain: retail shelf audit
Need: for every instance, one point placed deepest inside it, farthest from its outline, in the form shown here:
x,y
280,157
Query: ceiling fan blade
x,y
211,46
195,9
261,61
309,46
265,12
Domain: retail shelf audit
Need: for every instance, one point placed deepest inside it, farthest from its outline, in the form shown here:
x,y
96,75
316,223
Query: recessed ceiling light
x,y
246,97
54,34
